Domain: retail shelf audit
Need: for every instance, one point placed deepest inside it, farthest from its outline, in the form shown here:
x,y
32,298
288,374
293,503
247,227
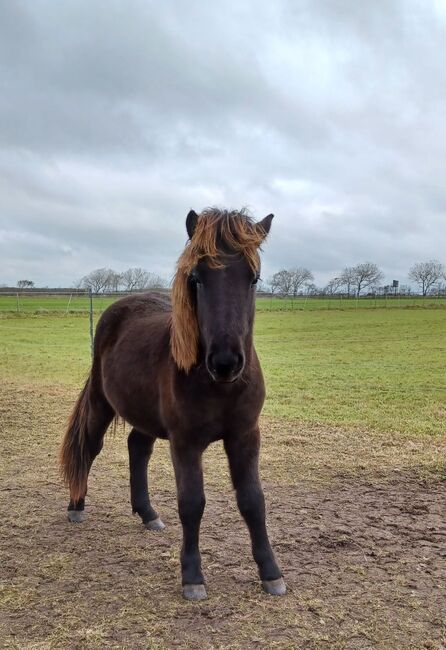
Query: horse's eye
x,y
256,279
193,277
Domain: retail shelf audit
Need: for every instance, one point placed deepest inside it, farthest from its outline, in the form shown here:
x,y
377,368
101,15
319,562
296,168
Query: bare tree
x,y
98,280
155,281
311,289
274,283
282,282
366,275
114,281
135,279
25,284
333,286
299,276
426,274
348,278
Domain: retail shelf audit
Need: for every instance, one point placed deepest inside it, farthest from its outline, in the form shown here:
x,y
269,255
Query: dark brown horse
x,y
185,370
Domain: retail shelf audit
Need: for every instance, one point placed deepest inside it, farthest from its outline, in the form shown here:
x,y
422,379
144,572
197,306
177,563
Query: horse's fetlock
x,y
76,505
146,512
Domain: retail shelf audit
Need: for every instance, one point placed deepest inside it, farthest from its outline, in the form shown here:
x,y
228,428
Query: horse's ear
x,y
191,223
263,227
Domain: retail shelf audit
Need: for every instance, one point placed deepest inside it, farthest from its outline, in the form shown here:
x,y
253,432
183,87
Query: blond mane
x,y
237,231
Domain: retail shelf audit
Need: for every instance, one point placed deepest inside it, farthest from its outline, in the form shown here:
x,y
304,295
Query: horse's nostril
x,y
225,364
210,362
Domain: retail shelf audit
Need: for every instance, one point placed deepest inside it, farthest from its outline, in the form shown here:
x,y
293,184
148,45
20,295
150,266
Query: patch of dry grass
x,y
356,578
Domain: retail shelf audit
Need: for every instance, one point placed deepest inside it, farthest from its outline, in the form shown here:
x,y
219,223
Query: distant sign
x,y
395,284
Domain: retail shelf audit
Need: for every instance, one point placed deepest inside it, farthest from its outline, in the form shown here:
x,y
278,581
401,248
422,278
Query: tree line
x,y
133,279
352,281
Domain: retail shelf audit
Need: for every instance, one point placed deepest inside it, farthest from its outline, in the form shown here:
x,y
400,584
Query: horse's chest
x,y
208,417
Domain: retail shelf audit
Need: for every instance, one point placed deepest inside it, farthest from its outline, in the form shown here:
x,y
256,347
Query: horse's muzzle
x,y
225,366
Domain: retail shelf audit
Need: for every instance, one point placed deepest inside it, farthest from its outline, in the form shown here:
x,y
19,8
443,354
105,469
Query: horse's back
x,y
151,307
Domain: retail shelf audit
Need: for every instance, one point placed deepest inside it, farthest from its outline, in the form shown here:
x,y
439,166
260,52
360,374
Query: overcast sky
x,y
117,117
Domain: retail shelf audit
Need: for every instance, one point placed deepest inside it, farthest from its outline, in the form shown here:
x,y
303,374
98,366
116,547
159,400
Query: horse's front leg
x,y
191,503
243,456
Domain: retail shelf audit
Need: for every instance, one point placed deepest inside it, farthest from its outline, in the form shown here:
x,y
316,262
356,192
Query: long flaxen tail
x,y
74,453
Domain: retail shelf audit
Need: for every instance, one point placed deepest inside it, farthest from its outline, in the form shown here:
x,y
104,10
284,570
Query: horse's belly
x,y
135,401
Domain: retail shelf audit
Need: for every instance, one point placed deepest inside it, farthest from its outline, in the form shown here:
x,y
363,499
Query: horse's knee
x,y
251,503
191,507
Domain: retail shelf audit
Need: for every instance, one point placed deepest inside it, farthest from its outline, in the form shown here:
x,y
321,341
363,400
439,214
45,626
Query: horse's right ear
x,y
191,223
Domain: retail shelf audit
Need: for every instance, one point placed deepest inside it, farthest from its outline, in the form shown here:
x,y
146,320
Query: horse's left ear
x,y
263,227
191,223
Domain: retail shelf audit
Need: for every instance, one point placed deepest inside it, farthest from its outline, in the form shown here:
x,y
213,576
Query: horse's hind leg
x,y
140,448
83,441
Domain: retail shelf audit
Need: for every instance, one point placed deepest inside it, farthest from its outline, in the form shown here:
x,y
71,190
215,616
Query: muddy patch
x,y
364,557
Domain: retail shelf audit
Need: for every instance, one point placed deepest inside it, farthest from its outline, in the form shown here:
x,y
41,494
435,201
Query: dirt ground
x,y
358,524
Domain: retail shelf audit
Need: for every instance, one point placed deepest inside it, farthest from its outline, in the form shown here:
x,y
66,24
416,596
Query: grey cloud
x,y
116,118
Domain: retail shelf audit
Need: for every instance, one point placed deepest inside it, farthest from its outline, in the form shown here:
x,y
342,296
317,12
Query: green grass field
x,y
352,461
382,369
66,303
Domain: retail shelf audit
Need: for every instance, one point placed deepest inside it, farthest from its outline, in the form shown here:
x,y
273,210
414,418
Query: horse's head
x,y
214,292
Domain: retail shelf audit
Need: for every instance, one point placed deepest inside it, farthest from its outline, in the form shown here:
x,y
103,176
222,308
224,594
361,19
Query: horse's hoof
x,y
194,592
76,516
155,524
274,587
